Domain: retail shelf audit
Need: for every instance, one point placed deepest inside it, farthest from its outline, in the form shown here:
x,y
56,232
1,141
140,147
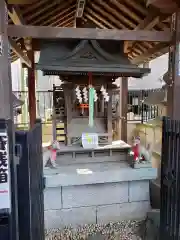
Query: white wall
x,y
16,75
45,83
154,80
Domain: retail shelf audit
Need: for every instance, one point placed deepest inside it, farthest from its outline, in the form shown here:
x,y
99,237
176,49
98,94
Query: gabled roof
x,y
77,56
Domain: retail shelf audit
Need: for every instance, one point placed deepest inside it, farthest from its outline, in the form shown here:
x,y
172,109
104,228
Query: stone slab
x,y
69,217
152,225
139,191
94,195
52,198
97,173
124,211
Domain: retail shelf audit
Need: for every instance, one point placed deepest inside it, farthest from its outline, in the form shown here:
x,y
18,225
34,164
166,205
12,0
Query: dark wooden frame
x,y
88,33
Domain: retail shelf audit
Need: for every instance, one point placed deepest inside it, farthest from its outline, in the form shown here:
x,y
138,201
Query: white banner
x,y
4,172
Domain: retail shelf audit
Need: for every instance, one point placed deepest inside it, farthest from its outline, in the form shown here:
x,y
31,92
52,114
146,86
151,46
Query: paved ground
x,y
125,230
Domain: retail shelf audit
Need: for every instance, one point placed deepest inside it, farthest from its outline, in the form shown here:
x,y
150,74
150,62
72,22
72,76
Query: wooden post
x,y
6,106
6,112
122,128
173,93
102,105
68,109
109,116
32,90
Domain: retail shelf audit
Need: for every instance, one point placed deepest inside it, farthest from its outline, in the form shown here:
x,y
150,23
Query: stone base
x,y
134,164
152,225
96,193
155,197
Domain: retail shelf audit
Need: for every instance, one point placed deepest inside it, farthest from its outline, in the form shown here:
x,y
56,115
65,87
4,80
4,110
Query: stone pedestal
x,y
96,193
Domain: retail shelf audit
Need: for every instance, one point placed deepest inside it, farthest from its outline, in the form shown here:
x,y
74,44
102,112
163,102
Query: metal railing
x,y
137,110
44,105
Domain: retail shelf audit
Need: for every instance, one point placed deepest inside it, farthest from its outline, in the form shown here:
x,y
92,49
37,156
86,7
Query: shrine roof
x,y
72,56
111,14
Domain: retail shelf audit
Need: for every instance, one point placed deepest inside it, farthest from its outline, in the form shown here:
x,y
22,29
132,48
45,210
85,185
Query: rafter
x,y
114,23
60,12
150,21
15,15
160,47
115,17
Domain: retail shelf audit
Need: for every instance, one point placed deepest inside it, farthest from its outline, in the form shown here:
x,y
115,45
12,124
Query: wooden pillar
x,y
32,90
102,105
68,108
122,126
6,112
173,93
6,106
109,116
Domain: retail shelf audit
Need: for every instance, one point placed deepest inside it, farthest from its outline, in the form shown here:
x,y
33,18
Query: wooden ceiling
x,y
110,14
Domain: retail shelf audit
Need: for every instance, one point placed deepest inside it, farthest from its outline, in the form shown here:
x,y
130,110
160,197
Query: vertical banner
x,y
91,106
5,201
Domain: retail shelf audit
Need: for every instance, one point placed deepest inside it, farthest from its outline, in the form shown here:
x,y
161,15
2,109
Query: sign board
x,y
4,172
89,140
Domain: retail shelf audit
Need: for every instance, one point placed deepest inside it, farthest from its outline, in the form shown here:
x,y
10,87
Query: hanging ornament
x,y
91,101
95,96
80,100
105,95
77,89
85,95
102,88
107,99
78,94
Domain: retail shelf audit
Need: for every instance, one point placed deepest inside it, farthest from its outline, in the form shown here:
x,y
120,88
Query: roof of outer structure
x,y
124,14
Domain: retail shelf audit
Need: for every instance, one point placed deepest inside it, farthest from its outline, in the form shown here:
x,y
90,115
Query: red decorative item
x,y
135,150
53,153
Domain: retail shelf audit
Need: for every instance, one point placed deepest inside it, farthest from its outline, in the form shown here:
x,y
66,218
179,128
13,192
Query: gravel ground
x,y
124,230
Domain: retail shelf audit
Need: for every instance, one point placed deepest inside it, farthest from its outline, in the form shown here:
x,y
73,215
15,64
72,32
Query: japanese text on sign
x,y
4,179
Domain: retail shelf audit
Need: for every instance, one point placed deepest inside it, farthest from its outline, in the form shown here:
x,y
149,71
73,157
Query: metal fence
x,y
138,111
44,105
170,181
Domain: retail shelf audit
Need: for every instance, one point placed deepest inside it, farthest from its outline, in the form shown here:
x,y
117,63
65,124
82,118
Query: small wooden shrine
x,y
82,64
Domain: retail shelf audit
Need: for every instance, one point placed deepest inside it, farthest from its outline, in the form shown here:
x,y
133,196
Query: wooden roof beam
x,y
19,52
15,15
160,47
88,33
168,6
150,21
